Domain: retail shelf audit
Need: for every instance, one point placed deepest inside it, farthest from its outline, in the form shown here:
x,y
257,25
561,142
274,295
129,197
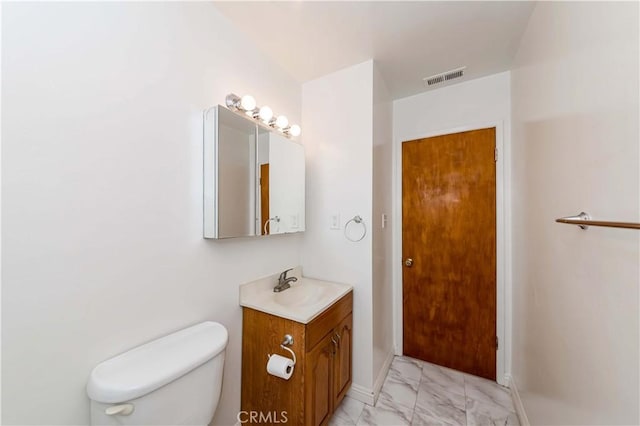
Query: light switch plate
x,y
384,220
334,221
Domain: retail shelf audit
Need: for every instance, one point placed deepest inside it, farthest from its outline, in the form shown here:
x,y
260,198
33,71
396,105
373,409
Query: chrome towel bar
x,y
583,220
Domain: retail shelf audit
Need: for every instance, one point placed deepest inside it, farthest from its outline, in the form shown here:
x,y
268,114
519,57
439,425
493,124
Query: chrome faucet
x,y
283,281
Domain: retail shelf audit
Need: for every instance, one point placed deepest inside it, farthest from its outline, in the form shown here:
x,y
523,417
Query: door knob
x,y
408,263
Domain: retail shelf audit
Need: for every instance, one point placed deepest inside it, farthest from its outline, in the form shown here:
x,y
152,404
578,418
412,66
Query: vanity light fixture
x,y
282,122
264,114
293,130
246,103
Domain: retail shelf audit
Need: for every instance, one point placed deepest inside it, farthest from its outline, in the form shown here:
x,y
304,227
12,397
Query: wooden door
x,y
318,383
264,199
449,251
342,359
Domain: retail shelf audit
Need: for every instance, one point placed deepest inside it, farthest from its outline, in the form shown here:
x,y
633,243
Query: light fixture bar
x,y
232,101
263,115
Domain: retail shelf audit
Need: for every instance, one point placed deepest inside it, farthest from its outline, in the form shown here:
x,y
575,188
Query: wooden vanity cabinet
x,y
319,391
342,359
322,375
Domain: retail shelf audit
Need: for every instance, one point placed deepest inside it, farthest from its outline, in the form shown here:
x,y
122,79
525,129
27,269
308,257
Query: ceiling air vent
x,y
444,76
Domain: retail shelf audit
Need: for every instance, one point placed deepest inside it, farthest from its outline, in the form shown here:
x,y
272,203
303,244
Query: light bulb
x,y
282,121
265,114
248,103
295,130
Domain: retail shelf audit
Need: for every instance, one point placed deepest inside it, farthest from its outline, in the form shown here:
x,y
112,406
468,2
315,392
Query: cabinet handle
x,y
339,338
335,344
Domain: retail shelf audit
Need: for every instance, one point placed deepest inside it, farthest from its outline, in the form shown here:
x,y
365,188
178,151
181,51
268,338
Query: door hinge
x,y
497,343
495,155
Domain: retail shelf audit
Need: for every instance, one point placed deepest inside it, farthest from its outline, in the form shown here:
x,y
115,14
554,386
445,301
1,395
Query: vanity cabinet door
x,y
342,341
318,383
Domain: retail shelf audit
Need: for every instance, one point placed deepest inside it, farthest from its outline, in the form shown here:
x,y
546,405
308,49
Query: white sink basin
x,y
300,295
303,301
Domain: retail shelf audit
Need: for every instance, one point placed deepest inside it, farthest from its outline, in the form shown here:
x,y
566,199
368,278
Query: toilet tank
x,y
174,380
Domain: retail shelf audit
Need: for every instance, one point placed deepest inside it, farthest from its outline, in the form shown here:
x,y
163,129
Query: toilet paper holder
x,y
287,341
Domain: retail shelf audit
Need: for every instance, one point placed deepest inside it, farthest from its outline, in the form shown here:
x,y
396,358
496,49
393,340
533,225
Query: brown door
x,y
449,251
265,226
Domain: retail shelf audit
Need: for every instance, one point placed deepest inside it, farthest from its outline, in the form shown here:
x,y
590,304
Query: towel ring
x,y
356,219
267,222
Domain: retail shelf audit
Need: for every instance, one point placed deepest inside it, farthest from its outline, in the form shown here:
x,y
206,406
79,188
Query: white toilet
x,y
175,380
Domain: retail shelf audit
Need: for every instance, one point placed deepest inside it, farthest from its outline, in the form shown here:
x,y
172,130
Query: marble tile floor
x,y
419,393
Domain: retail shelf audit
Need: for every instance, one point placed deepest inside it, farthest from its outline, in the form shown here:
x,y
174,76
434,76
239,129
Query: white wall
x,y
473,102
102,243
479,103
575,148
337,114
382,237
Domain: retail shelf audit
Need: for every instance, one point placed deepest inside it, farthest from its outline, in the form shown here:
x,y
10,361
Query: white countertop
x,y
306,299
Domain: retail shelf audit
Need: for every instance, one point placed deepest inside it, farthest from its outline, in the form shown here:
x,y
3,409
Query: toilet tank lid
x,y
146,368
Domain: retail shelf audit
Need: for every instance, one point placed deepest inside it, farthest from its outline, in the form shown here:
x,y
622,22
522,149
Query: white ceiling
x,y
408,40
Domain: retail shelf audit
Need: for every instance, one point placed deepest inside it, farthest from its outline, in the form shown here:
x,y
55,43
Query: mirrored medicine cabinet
x,y
254,178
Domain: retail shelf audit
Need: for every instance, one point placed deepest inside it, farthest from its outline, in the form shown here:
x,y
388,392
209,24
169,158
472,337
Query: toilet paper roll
x,y
280,366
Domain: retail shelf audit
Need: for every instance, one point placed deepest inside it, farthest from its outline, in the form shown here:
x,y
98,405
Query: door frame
x,y
503,240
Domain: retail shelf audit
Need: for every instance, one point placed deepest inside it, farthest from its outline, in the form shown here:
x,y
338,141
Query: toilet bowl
x,y
174,380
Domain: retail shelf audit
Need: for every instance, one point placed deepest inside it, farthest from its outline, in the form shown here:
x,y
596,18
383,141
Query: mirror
x,y
281,184
253,178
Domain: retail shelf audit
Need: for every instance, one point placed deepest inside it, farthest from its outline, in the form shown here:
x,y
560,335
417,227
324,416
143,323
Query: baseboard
x,y
503,380
382,374
367,395
517,403
361,394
